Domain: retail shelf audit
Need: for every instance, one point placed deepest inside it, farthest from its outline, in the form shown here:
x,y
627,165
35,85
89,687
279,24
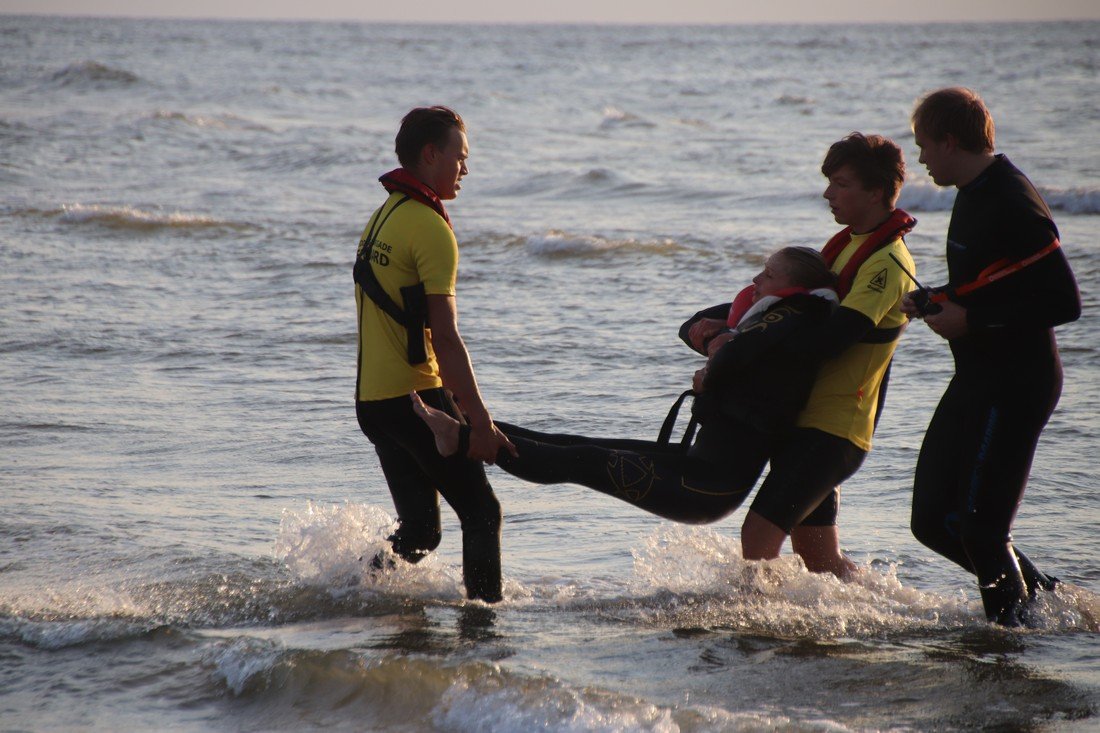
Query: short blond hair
x,y
956,111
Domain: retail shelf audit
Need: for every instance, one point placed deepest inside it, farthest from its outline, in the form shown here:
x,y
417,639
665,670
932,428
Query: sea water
x,y
185,495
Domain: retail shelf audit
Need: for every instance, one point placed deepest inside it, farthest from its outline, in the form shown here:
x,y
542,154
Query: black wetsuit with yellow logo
x,y
755,386
977,451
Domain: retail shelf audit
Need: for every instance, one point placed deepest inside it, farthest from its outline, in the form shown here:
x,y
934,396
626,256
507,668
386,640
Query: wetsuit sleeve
x,y
715,311
845,328
1043,294
1040,296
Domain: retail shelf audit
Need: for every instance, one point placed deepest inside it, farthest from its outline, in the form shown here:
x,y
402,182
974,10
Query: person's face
x,y
774,277
850,203
935,156
447,164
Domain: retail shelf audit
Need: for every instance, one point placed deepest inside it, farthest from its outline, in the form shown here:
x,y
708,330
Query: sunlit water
x,y
185,494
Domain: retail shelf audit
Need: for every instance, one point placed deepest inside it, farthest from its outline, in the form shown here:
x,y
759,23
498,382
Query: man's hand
x,y
950,323
486,441
697,380
909,305
702,330
718,342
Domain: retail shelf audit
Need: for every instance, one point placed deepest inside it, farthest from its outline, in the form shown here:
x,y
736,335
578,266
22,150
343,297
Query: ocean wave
x,y
794,100
1078,200
52,635
129,217
614,118
92,74
217,122
559,244
407,693
924,195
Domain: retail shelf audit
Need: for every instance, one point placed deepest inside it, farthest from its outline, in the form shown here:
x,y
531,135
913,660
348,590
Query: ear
x,y
951,143
428,154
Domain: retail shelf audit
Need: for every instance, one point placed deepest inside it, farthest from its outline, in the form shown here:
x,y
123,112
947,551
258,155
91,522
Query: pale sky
x,y
578,11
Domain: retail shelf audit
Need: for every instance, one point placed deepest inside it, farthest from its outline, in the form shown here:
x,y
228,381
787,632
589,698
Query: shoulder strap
x,y
665,436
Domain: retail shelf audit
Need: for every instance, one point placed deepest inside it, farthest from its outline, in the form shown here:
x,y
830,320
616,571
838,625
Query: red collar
x,y
898,225
402,181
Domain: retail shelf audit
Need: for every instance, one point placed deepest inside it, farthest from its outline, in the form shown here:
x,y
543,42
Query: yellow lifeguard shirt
x,y
414,245
844,398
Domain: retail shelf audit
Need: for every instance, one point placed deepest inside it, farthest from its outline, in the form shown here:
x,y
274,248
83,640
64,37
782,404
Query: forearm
x,y
457,373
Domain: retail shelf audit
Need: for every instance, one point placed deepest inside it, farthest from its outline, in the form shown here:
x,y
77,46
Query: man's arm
x,y
703,325
458,376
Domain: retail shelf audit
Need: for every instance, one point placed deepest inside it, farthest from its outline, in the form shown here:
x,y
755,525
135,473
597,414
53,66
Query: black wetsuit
x,y
974,462
417,475
755,386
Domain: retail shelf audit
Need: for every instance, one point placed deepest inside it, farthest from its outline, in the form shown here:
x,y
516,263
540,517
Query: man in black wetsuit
x,y
1009,285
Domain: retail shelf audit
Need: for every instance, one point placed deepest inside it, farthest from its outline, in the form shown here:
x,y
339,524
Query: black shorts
x,y
803,484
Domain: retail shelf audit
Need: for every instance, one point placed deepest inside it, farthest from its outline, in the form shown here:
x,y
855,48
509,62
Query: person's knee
x,y
979,536
487,518
933,529
761,539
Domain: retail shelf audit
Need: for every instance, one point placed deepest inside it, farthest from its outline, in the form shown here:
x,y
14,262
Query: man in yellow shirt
x,y
409,341
800,496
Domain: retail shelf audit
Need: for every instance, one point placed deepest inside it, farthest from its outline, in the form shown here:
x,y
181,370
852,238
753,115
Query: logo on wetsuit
x,y
775,315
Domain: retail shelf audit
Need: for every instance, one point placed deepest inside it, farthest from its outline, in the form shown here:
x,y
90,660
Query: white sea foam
x,y
332,547
129,217
557,243
921,194
712,585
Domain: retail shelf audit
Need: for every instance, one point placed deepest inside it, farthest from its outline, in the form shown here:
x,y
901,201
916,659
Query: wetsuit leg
x,y
806,468
970,479
415,472
565,439
684,486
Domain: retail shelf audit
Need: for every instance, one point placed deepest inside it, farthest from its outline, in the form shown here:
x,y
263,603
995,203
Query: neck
x,y
971,166
871,221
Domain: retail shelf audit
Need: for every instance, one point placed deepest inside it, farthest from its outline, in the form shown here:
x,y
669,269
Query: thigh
x,y
460,481
949,444
805,468
414,495
567,439
998,472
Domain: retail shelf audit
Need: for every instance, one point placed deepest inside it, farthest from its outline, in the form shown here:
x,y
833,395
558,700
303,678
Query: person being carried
x,y
800,497
751,389
405,273
1009,285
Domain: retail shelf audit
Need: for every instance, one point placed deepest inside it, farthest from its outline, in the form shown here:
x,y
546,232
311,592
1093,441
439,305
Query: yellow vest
x,y
845,395
414,245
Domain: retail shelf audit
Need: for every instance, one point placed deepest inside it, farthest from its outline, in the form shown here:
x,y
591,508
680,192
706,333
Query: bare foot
x,y
443,426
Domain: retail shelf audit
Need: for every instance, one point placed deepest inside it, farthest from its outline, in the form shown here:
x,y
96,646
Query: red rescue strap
x,y
999,269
